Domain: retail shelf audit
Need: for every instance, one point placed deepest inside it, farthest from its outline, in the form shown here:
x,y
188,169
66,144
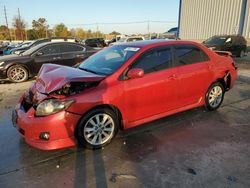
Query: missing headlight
x,y
75,88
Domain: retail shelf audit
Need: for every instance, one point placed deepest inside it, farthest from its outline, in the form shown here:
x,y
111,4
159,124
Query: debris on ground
x,y
232,178
191,171
115,176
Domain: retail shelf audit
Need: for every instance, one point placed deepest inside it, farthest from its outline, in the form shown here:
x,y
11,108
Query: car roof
x,y
145,43
58,42
93,38
227,35
55,42
133,37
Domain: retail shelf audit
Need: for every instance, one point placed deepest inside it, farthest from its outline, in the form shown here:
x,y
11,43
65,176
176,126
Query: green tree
x,y
114,33
31,34
19,26
4,33
61,30
81,33
40,28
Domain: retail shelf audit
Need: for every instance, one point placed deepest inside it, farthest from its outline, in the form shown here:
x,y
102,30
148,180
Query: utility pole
x,y
149,35
97,30
26,35
19,17
5,14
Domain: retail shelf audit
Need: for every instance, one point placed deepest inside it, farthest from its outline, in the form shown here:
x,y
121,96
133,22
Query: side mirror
x,y
135,73
39,53
229,41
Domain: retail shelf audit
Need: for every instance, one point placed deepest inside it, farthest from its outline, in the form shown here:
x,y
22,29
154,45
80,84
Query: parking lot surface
x,y
190,149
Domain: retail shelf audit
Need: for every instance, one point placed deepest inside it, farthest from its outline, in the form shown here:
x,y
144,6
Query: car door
x,y
71,54
47,54
155,92
193,73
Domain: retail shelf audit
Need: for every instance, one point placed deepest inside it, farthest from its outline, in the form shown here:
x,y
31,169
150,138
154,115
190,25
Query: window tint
x,y
51,49
155,60
189,54
108,60
133,39
70,48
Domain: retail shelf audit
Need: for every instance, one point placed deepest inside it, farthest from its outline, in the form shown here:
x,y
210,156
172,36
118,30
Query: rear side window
x,y
155,60
90,40
189,54
71,48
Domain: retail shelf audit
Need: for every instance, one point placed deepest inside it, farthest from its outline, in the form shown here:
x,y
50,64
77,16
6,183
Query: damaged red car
x,y
118,88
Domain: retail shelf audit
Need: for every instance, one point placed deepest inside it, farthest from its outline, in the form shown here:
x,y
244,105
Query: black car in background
x,y
32,44
39,41
18,68
236,44
95,42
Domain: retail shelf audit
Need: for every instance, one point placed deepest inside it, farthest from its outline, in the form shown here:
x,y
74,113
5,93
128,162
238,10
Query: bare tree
x,y
19,26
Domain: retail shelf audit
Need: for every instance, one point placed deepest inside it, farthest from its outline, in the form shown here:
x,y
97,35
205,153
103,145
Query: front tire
x,y
17,74
97,128
214,96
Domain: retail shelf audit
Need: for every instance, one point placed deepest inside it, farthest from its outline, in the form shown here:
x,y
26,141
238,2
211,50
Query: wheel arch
x,y
104,106
225,80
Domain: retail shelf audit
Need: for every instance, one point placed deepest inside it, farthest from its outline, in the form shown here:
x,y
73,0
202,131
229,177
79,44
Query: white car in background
x,y
128,39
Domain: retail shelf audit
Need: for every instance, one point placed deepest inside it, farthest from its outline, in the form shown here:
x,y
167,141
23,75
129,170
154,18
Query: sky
x,y
103,15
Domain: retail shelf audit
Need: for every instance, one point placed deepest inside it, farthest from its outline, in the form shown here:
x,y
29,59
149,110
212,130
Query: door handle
x,y
79,55
56,58
172,77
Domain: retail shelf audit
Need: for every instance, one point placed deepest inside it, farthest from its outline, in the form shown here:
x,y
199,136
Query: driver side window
x,y
155,60
50,49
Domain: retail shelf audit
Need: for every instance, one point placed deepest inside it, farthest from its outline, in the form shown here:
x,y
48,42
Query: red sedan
x,y
118,88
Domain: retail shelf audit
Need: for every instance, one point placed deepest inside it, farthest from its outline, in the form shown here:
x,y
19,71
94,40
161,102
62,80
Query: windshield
x,y
32,49
108,60
216,41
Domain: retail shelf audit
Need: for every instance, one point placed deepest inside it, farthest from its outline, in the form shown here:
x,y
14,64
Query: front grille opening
x,y
26,106
21,131
27,101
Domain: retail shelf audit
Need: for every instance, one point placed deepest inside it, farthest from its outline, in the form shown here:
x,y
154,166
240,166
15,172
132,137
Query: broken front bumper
x,y
60,127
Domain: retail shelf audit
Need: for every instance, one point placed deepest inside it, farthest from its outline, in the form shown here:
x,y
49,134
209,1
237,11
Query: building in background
x,y
201,19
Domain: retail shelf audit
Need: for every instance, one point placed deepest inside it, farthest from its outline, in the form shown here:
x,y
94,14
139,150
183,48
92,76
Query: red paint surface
x,y
139,100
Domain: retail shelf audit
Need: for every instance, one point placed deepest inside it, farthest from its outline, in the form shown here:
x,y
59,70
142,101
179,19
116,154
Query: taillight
x,y
234,65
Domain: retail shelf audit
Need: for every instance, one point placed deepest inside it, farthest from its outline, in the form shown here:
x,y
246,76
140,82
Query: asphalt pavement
x,y
195,148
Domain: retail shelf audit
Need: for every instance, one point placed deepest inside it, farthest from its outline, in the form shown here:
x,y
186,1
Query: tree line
x,y
41,29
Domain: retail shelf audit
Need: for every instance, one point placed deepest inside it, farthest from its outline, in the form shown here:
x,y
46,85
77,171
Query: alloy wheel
x,y
17,74
215,96
99,129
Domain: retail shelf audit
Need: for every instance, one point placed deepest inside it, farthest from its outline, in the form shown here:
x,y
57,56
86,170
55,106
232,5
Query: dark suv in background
x,y
95,42
236,44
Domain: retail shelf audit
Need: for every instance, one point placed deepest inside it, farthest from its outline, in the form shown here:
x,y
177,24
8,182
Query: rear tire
x,y
241,54
214,96
17,74
97,128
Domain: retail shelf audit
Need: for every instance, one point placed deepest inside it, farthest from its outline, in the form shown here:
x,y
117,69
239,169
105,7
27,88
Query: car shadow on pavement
x,y
9,82
84,175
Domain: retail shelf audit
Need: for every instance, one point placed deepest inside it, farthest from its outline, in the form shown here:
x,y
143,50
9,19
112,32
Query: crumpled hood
x,y
53,77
